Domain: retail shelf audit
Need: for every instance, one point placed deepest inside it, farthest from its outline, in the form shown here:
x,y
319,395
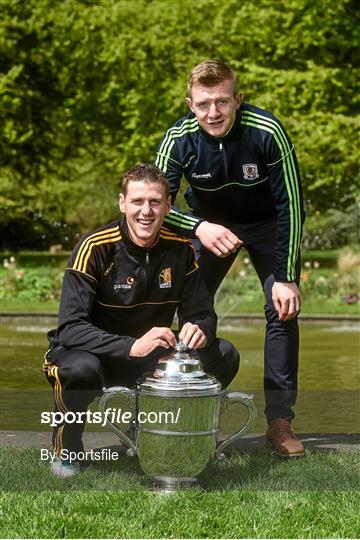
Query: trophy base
x,y
169,484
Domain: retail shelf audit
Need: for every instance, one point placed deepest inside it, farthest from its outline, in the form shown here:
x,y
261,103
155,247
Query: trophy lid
x,y
181,370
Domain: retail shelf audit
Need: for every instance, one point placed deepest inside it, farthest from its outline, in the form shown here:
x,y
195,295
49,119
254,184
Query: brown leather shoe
x,y
282,438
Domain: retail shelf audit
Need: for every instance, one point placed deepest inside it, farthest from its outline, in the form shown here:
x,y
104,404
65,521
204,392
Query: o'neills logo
x,y
250,171
165,278
108,269
207,175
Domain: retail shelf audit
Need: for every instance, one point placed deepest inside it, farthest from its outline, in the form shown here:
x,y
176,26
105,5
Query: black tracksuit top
x,y
250,175
114,291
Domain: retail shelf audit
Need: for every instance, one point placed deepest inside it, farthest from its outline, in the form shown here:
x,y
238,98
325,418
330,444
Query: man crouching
x,y
122,287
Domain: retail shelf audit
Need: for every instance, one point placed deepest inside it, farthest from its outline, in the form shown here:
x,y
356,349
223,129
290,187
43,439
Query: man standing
x,y
122,287
244,190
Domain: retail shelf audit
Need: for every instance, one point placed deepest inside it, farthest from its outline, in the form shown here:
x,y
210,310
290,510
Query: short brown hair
x,y
144,172
210,73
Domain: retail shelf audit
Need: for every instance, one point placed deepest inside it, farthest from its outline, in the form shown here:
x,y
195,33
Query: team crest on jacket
x,y
250,171
165,278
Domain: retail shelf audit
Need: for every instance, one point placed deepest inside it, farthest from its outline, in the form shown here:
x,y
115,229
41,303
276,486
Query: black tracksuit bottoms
x,y
77,377
282,338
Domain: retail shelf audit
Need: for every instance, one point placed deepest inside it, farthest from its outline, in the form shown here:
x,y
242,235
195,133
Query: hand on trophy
x,y
192,336
156,337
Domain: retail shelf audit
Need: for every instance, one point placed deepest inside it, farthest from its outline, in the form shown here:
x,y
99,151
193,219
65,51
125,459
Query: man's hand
x,y
287,300
156,337
217,239
192,336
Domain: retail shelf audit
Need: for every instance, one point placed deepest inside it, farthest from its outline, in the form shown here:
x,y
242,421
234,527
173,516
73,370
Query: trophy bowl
x,y
177,418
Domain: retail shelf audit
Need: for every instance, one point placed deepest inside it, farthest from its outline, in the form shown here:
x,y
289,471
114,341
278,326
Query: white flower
x,y
242,273
316,264
246,260
12,259
307,264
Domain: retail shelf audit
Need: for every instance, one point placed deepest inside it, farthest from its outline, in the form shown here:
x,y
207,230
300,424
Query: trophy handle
x,y
108,394
247,401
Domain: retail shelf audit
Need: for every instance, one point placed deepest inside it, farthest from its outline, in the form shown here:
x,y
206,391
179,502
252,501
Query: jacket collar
x,y
130,244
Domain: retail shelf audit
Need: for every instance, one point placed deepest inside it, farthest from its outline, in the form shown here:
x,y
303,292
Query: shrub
x,y
348,268
331,230
42,284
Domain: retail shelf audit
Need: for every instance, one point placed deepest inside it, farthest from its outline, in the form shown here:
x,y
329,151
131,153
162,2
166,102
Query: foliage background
x,y
89,87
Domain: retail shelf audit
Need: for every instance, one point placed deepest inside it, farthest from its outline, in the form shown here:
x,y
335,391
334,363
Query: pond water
x,y
329,376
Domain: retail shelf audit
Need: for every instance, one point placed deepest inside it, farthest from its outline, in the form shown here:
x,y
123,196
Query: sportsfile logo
x,y
105,454
110,415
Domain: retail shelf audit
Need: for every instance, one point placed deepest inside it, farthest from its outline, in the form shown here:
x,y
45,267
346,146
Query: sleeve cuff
x,y
197,224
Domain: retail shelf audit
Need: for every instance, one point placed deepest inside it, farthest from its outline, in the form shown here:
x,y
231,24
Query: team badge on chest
x,y
250,171
165,278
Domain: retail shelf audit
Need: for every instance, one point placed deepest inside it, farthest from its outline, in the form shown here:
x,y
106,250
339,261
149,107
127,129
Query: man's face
x,y
145,207
215,106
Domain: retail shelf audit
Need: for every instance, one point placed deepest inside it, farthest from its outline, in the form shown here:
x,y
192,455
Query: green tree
x,y
88,88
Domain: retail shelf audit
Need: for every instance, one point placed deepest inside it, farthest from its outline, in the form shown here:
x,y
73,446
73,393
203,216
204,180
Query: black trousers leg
x,y
213,269
281,364
220,359
76,378
281,351
282,337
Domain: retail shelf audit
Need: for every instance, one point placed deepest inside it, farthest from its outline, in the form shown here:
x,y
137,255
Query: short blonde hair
x,y
210,73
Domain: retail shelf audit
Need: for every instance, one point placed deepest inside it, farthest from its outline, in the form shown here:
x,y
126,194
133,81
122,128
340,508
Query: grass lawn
x,y
245,496
28,306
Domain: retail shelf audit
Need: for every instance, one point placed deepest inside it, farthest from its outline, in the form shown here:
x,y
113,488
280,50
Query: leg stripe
x,y
58,391
58,441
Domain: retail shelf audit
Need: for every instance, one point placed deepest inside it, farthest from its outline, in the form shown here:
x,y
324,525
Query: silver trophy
x,y
177,418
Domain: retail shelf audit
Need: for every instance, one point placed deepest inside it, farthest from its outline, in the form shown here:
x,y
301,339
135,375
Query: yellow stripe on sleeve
x,y
83,249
